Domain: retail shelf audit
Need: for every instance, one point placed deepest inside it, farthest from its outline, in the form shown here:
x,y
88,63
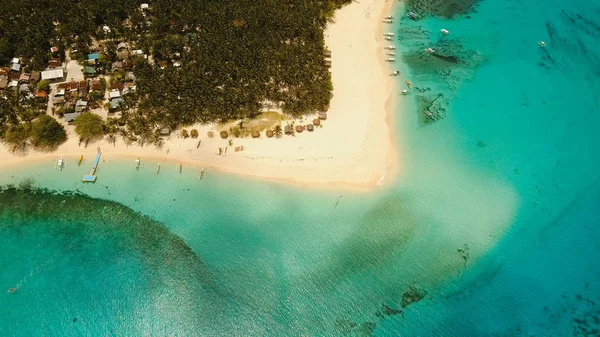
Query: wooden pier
x,y
90,178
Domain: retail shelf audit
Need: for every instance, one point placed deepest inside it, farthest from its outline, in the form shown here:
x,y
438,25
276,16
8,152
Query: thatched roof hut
x,y
328,63
310,127
327,53
316,122
269,133
255,134
299,128
323,115
288,130
224,134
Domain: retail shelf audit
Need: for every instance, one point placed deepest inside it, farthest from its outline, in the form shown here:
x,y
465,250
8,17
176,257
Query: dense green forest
x,y
230,56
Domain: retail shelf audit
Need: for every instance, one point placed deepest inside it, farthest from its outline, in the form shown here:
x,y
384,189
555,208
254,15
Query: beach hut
x,y
255,134
327,53
288,130
323,115
316,122
164,132
299,128
269,133
224,134
310,127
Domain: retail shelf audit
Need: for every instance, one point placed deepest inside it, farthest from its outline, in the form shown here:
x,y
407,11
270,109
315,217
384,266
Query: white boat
x,y
391,53
542,44
388,38
429,50
157,168
390,59
412,15
60,163
388,34
444,31
200,174
404,92
388,21
390,47
138,162
396,73
389,17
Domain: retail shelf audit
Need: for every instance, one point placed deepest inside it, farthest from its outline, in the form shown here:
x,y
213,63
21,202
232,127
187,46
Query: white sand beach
x,y
353,149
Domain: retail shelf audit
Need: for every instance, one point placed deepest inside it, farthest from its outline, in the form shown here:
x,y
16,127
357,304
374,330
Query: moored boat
x,y
60,163
138,162
429,115
444,31
396,73
404,92
80,160
390,59
408,84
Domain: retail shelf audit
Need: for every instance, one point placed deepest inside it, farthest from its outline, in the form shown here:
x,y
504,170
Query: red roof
x,y
41,94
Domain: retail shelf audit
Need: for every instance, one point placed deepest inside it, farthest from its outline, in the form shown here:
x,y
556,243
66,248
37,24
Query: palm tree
x,y
278,131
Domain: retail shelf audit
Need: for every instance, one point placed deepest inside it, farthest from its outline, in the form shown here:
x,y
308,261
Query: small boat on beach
x,y
542,44
389,17
388,38
80,160
390,59
429,50
404,92
408,84
157,168
444,31
390,47
138,162
388,21
412,15
391,53
388,34
396,73
60,163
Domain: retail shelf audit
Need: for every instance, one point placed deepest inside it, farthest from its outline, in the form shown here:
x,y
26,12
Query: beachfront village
x,y
89,87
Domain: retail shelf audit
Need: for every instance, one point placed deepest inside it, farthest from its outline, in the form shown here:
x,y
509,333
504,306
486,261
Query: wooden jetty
x,y
90,178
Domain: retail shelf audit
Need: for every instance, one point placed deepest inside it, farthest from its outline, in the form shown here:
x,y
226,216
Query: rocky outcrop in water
x,y
412,295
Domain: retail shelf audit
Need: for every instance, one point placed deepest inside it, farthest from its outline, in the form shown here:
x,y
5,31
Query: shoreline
x,y
355,149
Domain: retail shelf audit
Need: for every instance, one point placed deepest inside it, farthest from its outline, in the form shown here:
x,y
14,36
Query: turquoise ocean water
x,y
492,229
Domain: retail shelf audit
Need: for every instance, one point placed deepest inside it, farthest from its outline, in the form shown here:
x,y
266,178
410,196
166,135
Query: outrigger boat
x,y
12,290
79,160
390,59
180,168
60,163
390,47
429,50
396,73
388,21
388,38
138,162
389,17
408,84
404,92
201,173
429,115
157,168
391,53
388,34
444,31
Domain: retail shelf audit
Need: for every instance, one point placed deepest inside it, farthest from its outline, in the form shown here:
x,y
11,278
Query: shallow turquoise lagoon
x,y
492,229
